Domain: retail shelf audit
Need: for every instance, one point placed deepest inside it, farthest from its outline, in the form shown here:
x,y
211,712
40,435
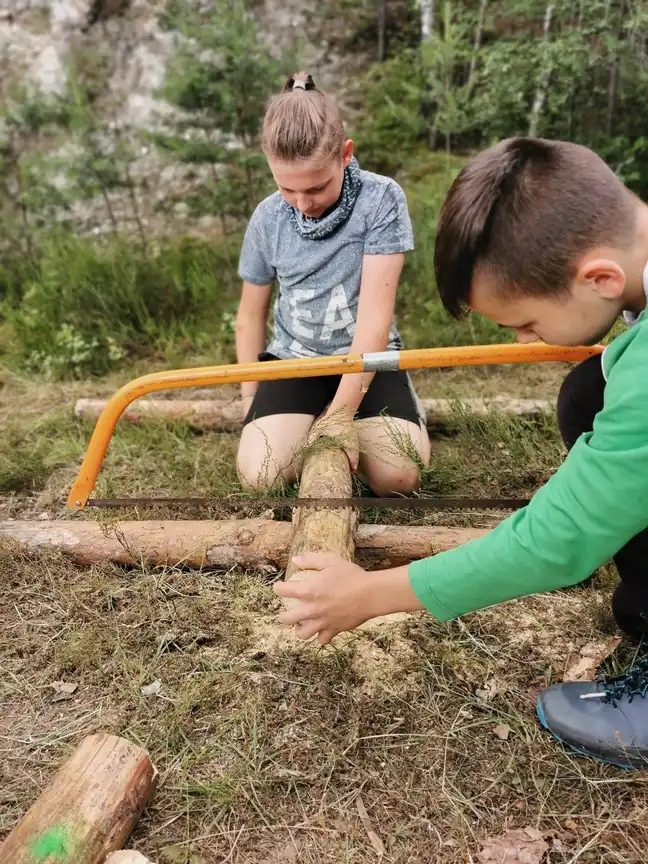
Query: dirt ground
x,y
410,742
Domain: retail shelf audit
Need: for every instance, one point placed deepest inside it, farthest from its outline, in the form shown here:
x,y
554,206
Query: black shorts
x,y
389,394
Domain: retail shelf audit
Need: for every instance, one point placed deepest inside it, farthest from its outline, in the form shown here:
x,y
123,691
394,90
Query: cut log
x,y
226,415
89,808
326,474
255,543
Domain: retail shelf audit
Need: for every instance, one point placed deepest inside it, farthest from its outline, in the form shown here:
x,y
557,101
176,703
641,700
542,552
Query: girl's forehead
x,y
302,175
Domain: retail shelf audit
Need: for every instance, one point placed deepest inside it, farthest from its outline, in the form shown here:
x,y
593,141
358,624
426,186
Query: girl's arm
x,y
251,319
380,275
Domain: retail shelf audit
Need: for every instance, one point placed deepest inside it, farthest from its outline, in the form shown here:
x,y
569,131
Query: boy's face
x,y
582,315
311,186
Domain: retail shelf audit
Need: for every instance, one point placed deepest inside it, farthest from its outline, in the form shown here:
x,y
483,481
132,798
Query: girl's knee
x,y
255,478
261,475
387,481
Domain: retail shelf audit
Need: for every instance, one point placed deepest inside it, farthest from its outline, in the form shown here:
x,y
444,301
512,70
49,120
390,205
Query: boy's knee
x,y
580,399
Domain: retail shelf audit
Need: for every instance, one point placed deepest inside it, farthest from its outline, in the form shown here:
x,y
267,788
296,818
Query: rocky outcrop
x,y
39,38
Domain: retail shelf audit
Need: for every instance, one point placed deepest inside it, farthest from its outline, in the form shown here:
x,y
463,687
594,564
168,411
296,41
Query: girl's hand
x,y
338,425
333,596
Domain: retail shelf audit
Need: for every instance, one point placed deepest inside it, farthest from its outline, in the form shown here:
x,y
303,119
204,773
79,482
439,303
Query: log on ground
x,y
259,544
226,415
89,808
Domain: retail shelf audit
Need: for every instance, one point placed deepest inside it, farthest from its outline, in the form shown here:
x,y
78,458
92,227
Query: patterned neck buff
x,y
323,226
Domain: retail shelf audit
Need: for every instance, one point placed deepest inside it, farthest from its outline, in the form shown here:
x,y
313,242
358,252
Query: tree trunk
x,y
260,544
479,30
381,15
427,18
226,415
89,808
612,86
543,84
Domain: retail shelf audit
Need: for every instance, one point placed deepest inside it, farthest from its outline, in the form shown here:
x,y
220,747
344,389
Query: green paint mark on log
x,y
53,847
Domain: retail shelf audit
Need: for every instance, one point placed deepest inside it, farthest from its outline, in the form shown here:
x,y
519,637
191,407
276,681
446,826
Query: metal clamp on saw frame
x,y
206,376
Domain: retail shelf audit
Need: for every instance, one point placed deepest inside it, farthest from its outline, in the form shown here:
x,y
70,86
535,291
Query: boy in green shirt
x,y
541,236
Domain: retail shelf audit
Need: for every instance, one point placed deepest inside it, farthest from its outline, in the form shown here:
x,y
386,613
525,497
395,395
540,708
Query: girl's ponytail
x,y
302,123
299,81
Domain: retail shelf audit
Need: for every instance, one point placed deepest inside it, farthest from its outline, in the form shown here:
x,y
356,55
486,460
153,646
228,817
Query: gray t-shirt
x,y
319,280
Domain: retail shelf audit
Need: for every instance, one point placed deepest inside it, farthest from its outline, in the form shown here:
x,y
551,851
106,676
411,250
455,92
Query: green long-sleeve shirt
x,y
594,503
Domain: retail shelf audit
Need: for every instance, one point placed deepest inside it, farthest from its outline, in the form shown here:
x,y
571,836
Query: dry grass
x,y
264,744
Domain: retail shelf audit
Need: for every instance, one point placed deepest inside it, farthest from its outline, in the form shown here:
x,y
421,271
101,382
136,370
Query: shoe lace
x,y
631,684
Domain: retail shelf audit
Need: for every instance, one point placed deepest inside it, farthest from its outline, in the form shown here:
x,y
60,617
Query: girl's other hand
x,y
338,425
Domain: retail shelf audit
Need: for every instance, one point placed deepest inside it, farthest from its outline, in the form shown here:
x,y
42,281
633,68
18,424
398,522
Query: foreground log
x,y
226,415
255,543
89,808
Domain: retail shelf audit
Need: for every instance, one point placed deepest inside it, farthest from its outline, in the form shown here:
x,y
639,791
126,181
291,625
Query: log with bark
x,y
88,809
226,415
326,474
255,543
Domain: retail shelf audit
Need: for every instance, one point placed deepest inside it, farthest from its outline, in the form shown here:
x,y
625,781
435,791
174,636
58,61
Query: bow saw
x,y
381,361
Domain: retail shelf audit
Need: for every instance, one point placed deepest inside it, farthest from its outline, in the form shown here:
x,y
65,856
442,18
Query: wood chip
x,y
514,847
374,839
64,687
63,690
287,854
583,666
502,731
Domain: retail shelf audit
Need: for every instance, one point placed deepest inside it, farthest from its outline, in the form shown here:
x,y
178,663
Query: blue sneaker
x,y
605,719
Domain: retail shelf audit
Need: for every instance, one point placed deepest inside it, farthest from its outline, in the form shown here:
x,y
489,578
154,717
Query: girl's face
x,y
311,186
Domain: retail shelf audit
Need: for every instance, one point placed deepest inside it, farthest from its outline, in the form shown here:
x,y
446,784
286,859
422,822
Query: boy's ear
x,y
347,152
604,275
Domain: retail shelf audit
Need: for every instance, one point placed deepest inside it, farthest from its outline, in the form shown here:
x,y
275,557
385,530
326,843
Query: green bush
x,y
88,306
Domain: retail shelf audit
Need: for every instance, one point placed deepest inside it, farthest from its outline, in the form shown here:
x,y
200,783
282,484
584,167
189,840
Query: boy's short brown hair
x,y
525,210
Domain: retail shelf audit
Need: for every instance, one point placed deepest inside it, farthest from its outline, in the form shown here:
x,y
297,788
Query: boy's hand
x,y
333,595
339,425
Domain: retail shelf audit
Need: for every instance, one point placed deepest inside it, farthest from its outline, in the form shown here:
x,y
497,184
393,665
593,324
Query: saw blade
x,y
432,503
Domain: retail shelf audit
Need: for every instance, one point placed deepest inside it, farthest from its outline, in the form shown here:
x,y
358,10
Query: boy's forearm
x,y
392,592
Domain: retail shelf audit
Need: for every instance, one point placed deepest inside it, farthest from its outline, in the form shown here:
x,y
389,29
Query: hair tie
x,y
299,84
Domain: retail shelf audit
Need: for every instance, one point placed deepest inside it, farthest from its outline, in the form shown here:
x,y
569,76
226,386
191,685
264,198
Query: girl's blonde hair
x,y
302,123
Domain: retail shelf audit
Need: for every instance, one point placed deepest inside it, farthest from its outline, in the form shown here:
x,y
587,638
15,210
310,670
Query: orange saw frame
x,y
381,361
